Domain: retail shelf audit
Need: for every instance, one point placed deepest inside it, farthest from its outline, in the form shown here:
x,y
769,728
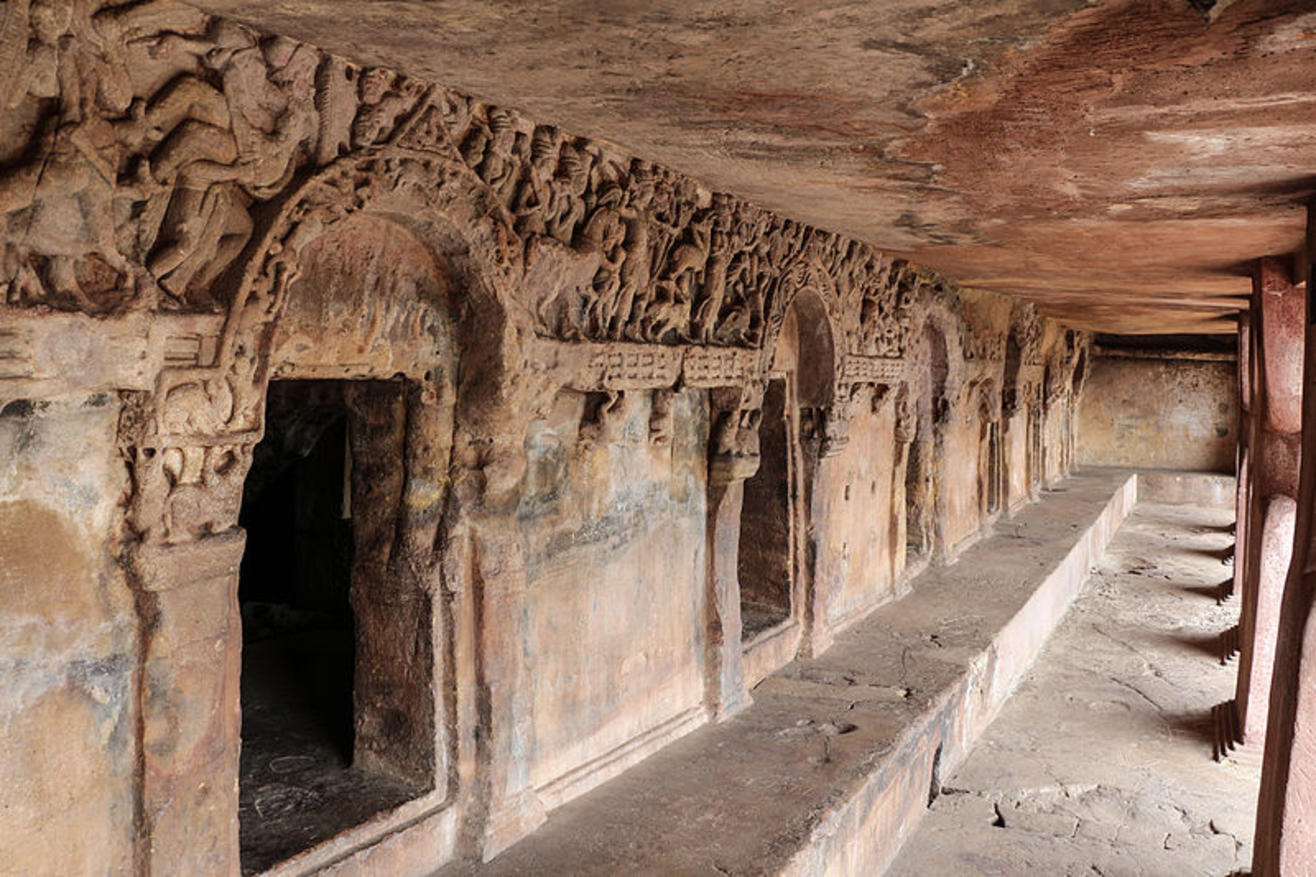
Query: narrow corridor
x,y
1101,762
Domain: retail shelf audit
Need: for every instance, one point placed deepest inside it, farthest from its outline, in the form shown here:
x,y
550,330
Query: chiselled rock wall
x,y
1167,412
550,513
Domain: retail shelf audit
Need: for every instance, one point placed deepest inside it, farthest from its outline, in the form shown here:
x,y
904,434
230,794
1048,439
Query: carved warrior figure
x,y
567,205
385,98
534,197
667,314
634,270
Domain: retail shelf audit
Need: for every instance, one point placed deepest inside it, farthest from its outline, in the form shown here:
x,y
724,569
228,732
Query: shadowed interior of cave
x,y
764,562
297,785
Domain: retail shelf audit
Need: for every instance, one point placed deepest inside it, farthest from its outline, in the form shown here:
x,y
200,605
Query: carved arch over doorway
x,y
189,444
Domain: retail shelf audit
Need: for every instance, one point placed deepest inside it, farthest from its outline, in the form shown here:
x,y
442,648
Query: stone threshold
x,y
833,764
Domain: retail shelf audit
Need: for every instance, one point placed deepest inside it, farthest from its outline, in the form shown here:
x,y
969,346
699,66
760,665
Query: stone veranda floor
x,y
1100,764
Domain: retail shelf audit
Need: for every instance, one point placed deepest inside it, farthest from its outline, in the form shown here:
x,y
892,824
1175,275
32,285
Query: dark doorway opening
x,y
297,785
916,498
993,474
764,561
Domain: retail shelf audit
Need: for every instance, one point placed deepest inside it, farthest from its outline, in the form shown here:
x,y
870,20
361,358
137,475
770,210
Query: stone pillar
x,y
1275,551
824,434
1286,814
734,458
904,437
190,714
1243,458
1279,311
725,692
184,562
396,509
939,551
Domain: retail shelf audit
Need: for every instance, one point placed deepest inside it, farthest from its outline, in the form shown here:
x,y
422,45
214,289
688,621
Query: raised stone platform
x,y
1099,763
1206,489
837,758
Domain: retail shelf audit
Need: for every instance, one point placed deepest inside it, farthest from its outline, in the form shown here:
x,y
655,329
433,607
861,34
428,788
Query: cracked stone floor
x,y
1101,761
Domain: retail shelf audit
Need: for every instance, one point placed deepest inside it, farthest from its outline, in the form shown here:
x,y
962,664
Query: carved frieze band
x,y
646,366
871,370
49,353
140,192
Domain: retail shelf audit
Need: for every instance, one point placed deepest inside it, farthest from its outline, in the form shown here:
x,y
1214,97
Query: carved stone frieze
x,y
856,369
714,367
632,366
161,160
44,354
1026,326
166,129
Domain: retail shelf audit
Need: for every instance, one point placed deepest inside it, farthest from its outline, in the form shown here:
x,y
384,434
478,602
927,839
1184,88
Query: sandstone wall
x,y
68,638
614,532
1160,412
861,499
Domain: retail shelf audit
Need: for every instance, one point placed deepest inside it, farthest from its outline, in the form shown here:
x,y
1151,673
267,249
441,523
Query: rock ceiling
x,y
1118,162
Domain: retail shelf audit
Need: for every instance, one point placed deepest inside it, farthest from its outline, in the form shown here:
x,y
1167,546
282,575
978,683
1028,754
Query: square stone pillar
x,y
1273,391
1285,840
191,718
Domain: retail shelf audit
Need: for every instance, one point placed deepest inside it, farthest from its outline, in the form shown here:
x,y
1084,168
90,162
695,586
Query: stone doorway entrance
x,y
765,565
302,780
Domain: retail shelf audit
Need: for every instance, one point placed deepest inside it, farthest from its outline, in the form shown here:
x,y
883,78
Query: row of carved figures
x,y
139,139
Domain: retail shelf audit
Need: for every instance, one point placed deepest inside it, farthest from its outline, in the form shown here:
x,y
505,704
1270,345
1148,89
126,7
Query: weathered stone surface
x,y
1159,410
834,759
1097,762
68,639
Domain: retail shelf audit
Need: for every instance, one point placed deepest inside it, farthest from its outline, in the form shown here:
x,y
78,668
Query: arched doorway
x,y
775,505
190,447
337,689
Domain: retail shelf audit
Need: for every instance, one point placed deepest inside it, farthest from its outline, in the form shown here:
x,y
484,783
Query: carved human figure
x,y
568,200
634,272
712,292
668,314
223,148
385,98
62,207
604,233
30,37
497,166
534,196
